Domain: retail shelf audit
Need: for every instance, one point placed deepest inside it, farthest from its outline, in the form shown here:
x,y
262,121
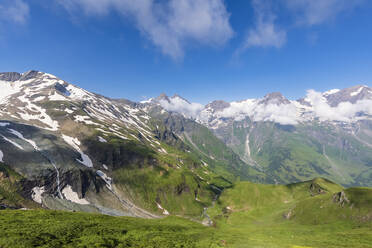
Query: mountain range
x,y
62,147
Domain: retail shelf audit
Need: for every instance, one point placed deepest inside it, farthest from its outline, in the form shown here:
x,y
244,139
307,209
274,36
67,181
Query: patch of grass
x,y
43,228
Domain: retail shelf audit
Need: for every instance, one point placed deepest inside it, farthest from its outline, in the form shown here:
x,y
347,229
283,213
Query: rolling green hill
x,y
316,213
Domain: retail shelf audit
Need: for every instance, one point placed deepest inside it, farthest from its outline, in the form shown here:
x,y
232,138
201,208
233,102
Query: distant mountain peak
x,y
218,105
175,96
352,95
274,98
162,96
30,75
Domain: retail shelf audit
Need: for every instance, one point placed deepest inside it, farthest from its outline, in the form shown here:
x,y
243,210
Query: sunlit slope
x,y
316,213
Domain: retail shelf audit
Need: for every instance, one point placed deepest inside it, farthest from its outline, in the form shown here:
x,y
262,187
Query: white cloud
x,y
285,114
179,105
345,111
313,12
169,25
266,32
14,11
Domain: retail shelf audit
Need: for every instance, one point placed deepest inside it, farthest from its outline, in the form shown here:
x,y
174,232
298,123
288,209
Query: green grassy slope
x,y
307,214
176,180
298,153
297,215
202,142
63,229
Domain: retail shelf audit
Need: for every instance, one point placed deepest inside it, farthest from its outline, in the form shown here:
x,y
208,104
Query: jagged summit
x,y
176,96
162,96
274,98
16,76
165,97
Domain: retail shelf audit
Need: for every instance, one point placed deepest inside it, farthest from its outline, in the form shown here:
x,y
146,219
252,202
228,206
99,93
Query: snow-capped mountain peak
x,y
346,105
274,98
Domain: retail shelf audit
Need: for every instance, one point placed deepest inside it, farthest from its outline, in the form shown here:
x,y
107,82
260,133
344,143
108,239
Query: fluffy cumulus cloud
x,y
170,24
179,105
14,10
266,32
345,111
285,114
312,12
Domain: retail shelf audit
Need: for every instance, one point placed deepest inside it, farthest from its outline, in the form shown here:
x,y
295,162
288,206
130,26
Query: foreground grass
x,y
43,228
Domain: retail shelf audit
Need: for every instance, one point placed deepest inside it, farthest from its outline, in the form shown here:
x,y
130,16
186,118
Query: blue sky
x,y
201,49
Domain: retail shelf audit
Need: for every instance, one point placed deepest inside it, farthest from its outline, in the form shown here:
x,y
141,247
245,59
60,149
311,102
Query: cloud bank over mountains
x,y
344,111
314,106
177,104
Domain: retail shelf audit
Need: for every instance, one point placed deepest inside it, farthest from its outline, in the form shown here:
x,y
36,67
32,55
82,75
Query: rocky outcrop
x,y
10,76
316,189
341,199
289,214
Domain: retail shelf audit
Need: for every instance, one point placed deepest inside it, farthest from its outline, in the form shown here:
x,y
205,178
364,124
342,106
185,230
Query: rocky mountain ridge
x,y
76,150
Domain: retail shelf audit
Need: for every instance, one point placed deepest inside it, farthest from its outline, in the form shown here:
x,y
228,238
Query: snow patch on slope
x,y
108,180
57,97
357,91
75,143
37,194
12,142
7,89
1,156
72,196
165,212
330,92
20,136
41,115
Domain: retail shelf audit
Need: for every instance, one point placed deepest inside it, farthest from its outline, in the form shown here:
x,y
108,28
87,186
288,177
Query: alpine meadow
x,y
186,123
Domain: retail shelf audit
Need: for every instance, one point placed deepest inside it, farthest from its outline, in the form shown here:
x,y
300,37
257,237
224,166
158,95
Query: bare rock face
x,y
316,189
274,98
10,76
341,198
